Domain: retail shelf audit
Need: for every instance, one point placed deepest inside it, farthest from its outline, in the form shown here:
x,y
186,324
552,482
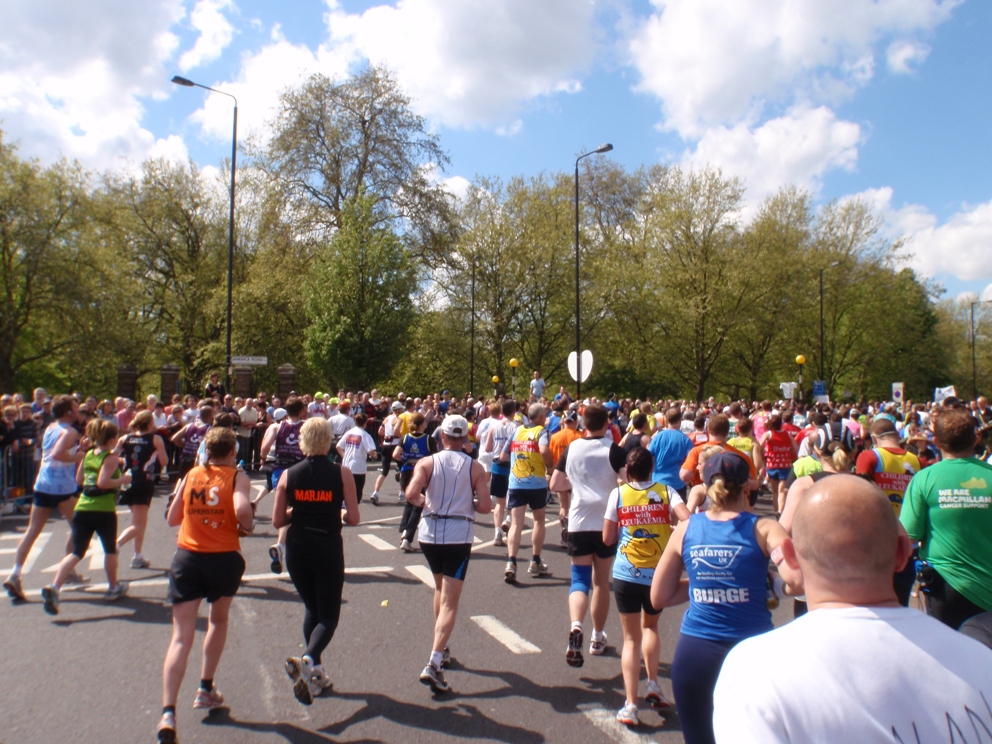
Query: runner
x,y
212,510
585,476
354,449
390,438
188,438
638,514
779,452
497,444
414,447
284,440
96,512
54,488
451,489
528,488
309,500
141,450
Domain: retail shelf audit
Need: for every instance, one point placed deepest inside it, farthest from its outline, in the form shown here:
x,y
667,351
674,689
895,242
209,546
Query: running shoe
x,y
315,689
655,697
276,554
401,499
597,646
319,676
406,546
498,541
435,678
212,699
117,592
300,670
510,574
14,589
75,578
50,595
537,568
166,730
446,658
506,523
573,655
142,562
627,715
374,498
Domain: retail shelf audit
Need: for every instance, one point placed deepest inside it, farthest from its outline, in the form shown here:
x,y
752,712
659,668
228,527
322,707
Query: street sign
x,y
249,361
586,365
897,391
819,387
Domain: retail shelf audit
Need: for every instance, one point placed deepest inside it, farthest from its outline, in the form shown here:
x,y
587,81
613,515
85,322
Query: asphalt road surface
x,y
94,672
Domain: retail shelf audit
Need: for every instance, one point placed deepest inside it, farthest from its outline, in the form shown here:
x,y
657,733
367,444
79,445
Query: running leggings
x,y
695,668
411,513
315,562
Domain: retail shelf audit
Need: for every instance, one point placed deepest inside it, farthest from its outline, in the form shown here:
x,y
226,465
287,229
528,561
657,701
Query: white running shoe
x,y
277,553
655,697
300,670
211,700
537,568
141,562
506,523
116,592
627,715
319,676
374,498
597,646
406,546
498,541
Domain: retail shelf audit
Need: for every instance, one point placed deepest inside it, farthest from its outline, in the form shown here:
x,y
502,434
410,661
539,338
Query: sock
x,y
512,559
139,557
207,684
436,657
536,558
374,494
17,571
577,625
597,635
169,709
312,662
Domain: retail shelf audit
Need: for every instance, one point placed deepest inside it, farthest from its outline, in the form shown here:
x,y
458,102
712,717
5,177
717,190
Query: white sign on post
x,y
586,365
897,391
249,361
945,392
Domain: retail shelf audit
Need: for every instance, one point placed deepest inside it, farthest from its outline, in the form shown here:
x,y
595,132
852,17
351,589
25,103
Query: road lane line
x,y
505,635
96,554
380,521
423,573
606,721
19,535
8,551
377,542
490,543
39,545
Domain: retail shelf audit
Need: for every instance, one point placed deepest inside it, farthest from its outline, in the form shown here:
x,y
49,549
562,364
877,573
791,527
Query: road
x,y
93,674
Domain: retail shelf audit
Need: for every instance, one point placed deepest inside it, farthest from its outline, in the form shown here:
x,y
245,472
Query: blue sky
x,y
886,99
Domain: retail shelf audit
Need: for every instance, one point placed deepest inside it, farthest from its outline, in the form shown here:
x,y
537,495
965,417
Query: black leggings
x,y
85,523
411,514
315,562
359,485
696,665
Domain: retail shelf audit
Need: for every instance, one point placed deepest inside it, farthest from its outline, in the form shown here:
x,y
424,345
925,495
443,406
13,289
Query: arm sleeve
x,y
618,457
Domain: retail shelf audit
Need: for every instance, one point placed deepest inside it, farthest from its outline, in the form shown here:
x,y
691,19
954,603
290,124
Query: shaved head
x,y
845,531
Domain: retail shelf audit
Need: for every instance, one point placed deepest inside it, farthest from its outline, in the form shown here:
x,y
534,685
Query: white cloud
x,y
508,130
904,57
719,61
215,30
72,79
172,148
456,186
797,148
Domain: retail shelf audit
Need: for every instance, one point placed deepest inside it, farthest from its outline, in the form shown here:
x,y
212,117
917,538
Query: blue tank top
x,y
55,477
415,448
727,579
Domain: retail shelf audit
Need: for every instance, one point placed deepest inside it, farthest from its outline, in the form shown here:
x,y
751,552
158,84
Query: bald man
x,y
858,667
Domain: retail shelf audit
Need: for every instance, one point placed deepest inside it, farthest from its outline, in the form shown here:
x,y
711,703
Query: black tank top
x,y
314,490
138,450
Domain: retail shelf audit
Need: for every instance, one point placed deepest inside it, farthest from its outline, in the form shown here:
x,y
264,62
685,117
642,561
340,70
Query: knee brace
x,y
581,579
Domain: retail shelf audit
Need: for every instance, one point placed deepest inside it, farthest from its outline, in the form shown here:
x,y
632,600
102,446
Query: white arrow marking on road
x,y
377,542
606,721
423,573
505,635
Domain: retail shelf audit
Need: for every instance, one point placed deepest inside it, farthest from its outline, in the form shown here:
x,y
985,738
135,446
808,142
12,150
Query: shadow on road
x,y
289,732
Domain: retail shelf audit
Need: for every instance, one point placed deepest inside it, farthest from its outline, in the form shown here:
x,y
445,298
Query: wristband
x,y
777,556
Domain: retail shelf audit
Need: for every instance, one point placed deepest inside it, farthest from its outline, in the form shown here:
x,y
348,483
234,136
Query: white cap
x,y
279,414
455,426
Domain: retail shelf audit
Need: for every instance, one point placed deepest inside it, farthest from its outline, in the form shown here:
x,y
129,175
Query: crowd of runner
x,y
849,510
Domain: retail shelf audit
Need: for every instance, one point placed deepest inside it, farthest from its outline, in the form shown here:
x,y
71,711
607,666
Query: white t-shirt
x,y
161,420
884,674
356,445
340,423
537,387
591,466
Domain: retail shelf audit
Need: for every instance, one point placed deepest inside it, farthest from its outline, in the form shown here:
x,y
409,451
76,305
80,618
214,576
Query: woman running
x,y
779,451
212,511
96,512
414,447
638,513
725,553
309,500
141,450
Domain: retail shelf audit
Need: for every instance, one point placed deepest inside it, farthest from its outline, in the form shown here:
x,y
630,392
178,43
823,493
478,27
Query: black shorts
x,y
207,576
139,494
51,500
185,465
633,598
450,560
499,485
535,498
387,457
85,523
590,543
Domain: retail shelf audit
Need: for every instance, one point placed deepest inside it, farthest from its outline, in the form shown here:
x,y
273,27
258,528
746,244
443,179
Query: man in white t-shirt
x,y
354,447
858,667
340,422
537,386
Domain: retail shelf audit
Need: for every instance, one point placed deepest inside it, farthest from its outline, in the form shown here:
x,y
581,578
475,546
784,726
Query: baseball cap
x,y
318,395
345,404
279,414
397,406
455,426
572,416
334,401
731,467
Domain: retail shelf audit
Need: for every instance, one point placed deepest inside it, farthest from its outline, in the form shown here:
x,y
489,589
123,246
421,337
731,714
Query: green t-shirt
x,y
948,508
104,501
806,466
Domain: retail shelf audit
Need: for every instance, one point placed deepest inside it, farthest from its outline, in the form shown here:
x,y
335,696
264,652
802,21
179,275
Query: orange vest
x,y
209,523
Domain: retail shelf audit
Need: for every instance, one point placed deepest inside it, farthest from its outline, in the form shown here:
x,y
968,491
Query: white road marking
x,y
96,554
8,551
380,521
423,573
377,542
490,543
39,545
606,721
18,536
505,635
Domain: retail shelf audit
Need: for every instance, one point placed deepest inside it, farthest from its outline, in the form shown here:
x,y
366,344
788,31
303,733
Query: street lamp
x,y
828,266
800,360
578,336
230,233
471,353
495,386
974,363
513,376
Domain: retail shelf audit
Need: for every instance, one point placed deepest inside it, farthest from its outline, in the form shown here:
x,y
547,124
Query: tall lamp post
x,y
471,353
230,233
829,266
513,376
800,360
578,336
974,356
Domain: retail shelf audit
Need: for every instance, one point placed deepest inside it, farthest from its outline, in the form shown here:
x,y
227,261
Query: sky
x,y
886,100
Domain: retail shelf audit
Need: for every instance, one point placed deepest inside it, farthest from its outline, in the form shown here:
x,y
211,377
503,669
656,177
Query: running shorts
x,y
499,485
207,576
139,494
449,559
779,473
633,598
85,523
50,500
590,543
535,498
387,458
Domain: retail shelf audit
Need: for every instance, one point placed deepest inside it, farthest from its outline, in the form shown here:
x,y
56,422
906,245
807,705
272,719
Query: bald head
x,y
846,533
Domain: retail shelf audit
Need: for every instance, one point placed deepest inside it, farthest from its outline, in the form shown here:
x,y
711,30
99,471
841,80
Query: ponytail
x,y
721,495
840,458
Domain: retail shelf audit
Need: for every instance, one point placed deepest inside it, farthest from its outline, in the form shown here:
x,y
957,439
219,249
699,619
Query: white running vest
x,y
449,508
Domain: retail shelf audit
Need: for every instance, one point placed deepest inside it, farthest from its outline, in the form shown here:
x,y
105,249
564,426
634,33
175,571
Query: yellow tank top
x,y
525,453
893,473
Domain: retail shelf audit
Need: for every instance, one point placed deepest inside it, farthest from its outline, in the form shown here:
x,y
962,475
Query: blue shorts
x,y
498,485
50,500
535,498
779,473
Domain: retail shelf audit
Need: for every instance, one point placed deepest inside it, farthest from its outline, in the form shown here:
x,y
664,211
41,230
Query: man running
x,y
389,436
497,443
530,461
451,489
285,438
